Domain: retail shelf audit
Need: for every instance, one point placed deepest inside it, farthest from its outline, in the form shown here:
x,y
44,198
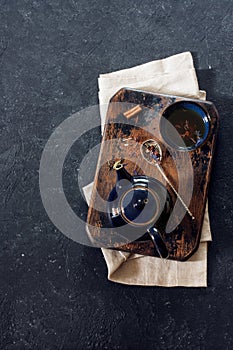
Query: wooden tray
x,y
183,241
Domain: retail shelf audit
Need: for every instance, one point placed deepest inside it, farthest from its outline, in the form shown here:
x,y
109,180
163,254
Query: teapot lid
x,y
140,206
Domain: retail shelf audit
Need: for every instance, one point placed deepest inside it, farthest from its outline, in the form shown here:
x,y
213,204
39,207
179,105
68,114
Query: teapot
x,y
142,204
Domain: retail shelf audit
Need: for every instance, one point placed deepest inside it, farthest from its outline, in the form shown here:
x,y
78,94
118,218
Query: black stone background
x,y
54,293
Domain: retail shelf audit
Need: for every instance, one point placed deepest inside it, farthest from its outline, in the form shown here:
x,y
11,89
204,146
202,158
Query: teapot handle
x,y
159,244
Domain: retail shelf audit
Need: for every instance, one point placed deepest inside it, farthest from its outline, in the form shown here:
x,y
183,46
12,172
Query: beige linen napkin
x,y
173,75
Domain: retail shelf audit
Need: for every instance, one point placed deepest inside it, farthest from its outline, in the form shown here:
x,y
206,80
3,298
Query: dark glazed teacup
x,y
185,125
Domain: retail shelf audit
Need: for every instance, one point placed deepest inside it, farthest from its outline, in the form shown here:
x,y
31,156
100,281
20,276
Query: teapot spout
x,y
122,173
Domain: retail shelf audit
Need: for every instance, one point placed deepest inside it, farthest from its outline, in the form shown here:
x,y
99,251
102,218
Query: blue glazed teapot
x,y
142,204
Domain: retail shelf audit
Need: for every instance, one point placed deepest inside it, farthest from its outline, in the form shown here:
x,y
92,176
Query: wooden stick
x,y
132,112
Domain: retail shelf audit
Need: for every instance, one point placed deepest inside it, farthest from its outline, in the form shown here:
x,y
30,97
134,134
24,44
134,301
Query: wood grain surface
x,y
124,133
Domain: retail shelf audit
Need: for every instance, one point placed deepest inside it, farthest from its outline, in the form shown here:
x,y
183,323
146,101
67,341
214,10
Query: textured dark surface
x,y
54,292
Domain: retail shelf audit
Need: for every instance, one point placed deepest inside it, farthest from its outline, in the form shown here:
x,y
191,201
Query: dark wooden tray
x,y
183,241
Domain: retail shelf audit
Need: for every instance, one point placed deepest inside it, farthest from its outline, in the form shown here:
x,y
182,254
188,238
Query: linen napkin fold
x,y
173,75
